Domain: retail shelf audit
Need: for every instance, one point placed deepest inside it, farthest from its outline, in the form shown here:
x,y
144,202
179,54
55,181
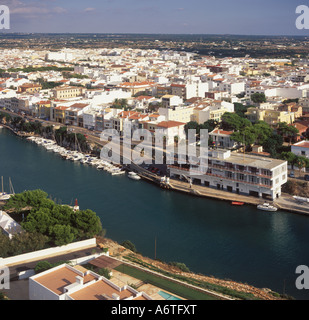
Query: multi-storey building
x,y
239,173
67,92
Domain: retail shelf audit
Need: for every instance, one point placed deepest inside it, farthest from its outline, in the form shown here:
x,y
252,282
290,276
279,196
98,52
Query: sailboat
x,y
6,196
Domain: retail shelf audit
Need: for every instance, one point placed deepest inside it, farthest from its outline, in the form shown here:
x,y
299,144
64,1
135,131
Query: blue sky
x,y
259,17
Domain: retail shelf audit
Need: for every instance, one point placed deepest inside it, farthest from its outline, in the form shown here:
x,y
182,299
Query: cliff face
x,y
120,252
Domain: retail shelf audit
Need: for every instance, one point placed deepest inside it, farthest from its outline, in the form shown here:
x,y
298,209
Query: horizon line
x,y
137,33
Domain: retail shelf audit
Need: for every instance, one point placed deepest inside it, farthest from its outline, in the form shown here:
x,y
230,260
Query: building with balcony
x,y
239,173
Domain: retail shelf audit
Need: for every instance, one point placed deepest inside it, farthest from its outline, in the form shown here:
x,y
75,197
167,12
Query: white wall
x,y
37,255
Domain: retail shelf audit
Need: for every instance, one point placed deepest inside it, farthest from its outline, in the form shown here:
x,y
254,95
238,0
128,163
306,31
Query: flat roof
x,y
99,290
60,278
249,160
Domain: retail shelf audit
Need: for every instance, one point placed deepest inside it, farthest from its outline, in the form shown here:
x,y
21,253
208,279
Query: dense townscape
x,y
256,113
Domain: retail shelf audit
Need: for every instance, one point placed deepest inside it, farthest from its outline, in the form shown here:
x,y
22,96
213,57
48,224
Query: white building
x,y
222,139
242,174
77,283
301,149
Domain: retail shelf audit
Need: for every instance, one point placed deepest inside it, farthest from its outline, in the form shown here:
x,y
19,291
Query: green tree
x,y
105,272
263,131
192,125
240,109
301,163
232,121
87,223
129,245
210,125
287,131
61,234
273,144
290,157
258,97
42,266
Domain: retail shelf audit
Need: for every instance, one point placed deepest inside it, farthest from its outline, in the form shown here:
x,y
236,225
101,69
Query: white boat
x,y
301,199
118,172
134,176
4,195
267,207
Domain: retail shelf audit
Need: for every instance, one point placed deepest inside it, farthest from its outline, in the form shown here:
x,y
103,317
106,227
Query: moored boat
x,y
134,176
267,207
236,203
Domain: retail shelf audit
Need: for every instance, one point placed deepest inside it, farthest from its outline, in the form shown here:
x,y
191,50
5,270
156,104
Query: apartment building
x,y
74,114
29,88
77,283
135,87
169,100
272,117
59,114
180,114
67,92
242,174
41,109
163,90
167,131
211,110
231,87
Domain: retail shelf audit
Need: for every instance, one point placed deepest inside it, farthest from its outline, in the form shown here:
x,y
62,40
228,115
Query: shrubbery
x,y
49,223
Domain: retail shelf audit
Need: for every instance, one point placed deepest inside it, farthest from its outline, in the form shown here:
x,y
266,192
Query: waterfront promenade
x,y
286,202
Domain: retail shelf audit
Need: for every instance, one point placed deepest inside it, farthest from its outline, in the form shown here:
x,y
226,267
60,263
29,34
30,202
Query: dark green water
x,y
210,237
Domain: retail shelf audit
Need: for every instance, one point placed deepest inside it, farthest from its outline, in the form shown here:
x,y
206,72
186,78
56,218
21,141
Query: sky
x,y
242,17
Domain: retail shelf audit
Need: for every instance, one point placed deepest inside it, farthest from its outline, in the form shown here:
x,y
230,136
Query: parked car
x,y
307,177
292,175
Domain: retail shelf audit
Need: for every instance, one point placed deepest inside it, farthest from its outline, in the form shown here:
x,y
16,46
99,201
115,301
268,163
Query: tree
x,y
42,266
301,163
246,136
210,125
105,272
240,109
290,157
273,144
192,125
232,121
129,245
258,97
286,130
61,234
263,131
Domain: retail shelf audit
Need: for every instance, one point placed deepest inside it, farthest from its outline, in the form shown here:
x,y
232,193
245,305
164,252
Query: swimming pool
x,y
167,296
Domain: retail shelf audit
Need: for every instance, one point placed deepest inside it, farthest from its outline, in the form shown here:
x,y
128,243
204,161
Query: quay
x,y
286,202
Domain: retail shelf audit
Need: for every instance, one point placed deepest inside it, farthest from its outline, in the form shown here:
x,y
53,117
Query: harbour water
x,y
210,237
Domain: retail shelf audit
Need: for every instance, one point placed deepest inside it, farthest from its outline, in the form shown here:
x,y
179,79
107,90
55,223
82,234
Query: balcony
x,y
192,172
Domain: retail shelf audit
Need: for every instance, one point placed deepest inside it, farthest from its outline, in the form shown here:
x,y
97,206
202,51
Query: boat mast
x,y
11,187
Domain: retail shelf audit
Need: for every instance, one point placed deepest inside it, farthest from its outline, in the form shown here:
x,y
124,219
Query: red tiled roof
x,y
170,124
218,131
